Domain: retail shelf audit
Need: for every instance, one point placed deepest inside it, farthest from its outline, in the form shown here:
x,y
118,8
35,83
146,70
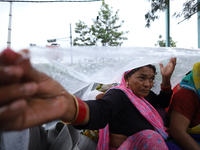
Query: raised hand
x,y
169,68
167,71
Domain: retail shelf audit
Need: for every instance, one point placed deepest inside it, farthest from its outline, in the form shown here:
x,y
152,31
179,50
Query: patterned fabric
x,y
146,109
192,80
147,139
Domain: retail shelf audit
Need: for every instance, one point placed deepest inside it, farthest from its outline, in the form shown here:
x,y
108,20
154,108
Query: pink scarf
x,y
144,107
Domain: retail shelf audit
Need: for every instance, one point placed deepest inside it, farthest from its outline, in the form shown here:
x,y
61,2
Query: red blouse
x,y
187,103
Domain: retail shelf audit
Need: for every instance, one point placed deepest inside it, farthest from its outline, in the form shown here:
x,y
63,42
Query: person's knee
x,y
152,139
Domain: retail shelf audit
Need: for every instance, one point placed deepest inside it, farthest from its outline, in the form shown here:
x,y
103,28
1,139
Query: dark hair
x,y
136,69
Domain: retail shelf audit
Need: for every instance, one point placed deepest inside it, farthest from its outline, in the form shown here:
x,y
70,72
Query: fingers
x,y
9,112
161,65
173,60
12,92
10,74
37,111
8,56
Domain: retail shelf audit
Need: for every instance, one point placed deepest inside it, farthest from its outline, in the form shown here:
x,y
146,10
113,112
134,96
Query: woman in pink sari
x,y
128,111
126,114
146,130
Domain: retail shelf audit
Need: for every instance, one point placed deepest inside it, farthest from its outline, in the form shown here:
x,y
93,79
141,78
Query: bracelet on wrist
x,y
165,88
80,112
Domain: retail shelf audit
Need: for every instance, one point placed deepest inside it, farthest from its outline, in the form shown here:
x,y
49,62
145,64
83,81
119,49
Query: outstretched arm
x,y
35,97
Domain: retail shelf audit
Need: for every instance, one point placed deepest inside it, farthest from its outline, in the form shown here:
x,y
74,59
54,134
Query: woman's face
x,y
141,81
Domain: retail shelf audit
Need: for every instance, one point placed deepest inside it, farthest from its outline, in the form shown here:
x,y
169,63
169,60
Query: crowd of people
x,y
128,115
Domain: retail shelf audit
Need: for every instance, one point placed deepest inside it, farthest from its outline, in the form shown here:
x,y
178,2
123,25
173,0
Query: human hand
x,y
168,69
9,73
33,98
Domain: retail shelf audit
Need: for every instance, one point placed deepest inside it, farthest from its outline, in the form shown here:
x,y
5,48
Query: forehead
x,y
145,71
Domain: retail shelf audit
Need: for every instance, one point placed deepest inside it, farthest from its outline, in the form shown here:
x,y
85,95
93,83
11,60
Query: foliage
x,y
85,38
162,43
104,29
190,7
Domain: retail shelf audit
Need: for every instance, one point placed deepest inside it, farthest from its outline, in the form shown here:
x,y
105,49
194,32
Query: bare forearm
x,y
185,141
166,81
166,85
71,110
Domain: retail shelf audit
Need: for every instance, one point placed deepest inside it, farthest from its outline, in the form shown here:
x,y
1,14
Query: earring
x,y
127,85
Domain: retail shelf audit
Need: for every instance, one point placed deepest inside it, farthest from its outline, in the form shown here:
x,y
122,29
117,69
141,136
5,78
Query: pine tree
x,y
104,30
85,38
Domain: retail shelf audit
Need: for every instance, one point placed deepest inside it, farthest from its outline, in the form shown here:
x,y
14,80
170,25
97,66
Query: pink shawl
x,y
144,107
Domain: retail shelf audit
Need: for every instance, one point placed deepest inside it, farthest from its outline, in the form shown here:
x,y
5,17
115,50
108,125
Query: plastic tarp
x,y
80,69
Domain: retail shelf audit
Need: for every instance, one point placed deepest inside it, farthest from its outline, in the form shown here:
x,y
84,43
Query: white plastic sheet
x,y
78,68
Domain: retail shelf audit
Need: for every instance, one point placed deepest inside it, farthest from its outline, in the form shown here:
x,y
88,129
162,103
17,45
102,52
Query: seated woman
x,y
128,114
129,121
184,112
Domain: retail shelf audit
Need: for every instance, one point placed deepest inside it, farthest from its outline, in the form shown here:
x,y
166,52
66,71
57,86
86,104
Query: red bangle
x,y
80,112
165,88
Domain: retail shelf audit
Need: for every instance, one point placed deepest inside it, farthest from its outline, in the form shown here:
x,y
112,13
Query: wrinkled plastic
x,y
78,68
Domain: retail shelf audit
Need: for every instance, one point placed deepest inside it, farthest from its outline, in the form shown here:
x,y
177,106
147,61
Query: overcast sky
x,y
37,22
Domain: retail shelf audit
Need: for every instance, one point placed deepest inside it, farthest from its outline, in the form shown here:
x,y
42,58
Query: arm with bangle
x,y
82,110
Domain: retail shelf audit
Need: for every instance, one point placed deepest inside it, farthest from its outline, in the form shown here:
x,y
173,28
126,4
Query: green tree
x,y
85,38
104,30
161,42
190,7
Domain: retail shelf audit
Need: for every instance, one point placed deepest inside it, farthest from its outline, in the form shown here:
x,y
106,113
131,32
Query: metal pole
x,y
198,24
71,43
9,26
167,12
70,35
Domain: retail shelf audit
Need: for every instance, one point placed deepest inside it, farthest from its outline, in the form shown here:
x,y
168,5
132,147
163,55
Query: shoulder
x,y
115,91
115,95
186,98
186,102
185,94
